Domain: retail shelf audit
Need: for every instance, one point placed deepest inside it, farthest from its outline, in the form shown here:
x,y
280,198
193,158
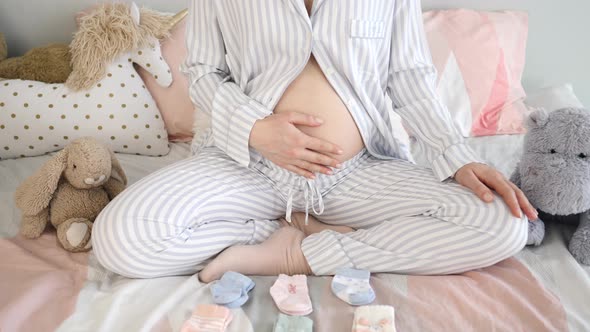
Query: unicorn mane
x,y
107,32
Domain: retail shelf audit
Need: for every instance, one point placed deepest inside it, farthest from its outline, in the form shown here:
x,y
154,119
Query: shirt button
x,y
316,35
330,71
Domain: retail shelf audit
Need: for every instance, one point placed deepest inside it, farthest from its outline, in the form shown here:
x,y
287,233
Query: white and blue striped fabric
x,y
244,53
175,220
407,220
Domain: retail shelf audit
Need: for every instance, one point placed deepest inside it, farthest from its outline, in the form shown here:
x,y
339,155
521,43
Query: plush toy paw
x,y
536,232
74,234
580,245
33,226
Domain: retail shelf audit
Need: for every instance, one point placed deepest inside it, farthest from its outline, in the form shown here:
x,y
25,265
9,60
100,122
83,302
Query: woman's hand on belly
x,y
279,140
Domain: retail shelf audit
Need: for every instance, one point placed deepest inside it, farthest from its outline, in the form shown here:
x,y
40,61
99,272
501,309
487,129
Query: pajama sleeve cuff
x,y
452,159
231,129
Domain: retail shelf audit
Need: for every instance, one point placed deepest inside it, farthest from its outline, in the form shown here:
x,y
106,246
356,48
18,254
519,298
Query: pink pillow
x,y
480,60
174,102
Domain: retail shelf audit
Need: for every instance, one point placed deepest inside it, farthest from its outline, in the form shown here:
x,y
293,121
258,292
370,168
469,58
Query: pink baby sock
x,y
208,318
374,318
291,295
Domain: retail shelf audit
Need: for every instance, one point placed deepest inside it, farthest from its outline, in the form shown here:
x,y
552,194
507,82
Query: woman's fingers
x,y
482,179
314,168
277,138
303,119
298,170
496,181
312,162
319,159
319,145
524,203
472,182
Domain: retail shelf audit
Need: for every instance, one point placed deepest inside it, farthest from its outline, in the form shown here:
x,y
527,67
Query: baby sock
x,y
208,318
352,286
293,323
291,295
374,318
232,289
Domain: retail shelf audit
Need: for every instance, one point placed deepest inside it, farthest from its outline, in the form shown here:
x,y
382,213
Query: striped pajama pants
x,y
175,220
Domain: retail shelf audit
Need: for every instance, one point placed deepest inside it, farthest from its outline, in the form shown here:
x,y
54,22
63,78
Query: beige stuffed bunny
x,y
70,190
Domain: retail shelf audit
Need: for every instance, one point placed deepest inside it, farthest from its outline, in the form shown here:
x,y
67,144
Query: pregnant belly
x,y
311,93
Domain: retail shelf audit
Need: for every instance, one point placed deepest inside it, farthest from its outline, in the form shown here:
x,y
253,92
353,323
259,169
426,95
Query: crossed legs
x,y
390,217
385,216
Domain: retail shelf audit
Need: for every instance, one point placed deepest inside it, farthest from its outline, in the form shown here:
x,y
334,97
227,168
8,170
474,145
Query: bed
x,y
44,288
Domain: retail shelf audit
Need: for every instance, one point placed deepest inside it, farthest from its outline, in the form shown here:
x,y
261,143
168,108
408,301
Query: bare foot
x,y
281,253
313,224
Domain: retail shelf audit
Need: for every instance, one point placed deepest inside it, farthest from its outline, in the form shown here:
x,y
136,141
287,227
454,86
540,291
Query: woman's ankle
x,y
281,253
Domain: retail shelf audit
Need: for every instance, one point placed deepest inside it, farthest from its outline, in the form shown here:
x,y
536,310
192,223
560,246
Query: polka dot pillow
x,y
37,118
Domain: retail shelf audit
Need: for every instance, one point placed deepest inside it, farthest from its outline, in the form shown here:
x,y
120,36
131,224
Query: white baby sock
x,y
373,318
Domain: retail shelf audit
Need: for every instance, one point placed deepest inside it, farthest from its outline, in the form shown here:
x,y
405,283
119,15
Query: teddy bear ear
x,y
537,119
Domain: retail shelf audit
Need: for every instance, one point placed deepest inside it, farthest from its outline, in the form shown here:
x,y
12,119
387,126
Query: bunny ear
x,y
117,172
35,193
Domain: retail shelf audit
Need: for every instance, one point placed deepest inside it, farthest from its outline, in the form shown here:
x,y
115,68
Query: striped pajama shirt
x,y
242,56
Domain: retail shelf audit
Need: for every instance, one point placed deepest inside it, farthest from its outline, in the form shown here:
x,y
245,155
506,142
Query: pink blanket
x,y
41,283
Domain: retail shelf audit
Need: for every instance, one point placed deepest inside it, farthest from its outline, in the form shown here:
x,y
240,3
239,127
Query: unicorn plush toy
x,y
104,97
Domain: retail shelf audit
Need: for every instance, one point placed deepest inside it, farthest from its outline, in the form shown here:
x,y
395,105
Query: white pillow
x,y
499,151
554,98
480,57
504,151
37,118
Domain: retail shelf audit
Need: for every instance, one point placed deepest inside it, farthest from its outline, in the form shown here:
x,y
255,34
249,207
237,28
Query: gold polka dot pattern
x,y
36,118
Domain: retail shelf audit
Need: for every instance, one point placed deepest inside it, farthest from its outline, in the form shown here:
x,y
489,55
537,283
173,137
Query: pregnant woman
x,y
300,94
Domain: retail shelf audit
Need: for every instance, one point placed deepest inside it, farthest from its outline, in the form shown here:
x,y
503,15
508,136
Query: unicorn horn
x,y
177,18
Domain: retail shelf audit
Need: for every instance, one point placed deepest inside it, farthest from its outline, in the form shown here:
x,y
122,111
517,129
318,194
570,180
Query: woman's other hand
x,y
482,179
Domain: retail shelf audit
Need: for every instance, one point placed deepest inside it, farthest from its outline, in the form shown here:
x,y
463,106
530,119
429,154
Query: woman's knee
x,y
119,240
124,265
508,232
139,245
109,246
132,260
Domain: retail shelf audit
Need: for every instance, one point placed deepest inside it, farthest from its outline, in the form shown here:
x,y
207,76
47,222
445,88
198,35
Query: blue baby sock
x,y
232,289
352,286
293,323
249,285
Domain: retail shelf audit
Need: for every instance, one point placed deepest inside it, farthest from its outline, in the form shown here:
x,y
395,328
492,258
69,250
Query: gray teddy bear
x,y
554,173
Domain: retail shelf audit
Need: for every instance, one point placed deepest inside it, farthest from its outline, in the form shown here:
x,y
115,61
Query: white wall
x,y
558,50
